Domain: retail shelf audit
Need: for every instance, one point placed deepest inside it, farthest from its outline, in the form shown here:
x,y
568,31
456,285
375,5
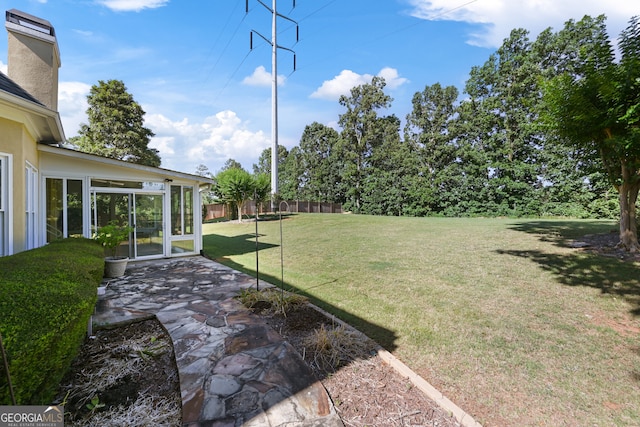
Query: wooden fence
x,y
219,210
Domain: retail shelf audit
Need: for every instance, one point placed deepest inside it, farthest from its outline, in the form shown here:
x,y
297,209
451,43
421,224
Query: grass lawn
x,y
499,314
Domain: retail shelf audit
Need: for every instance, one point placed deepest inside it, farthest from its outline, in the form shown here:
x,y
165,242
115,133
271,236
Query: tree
x,y
321,165
115,128
393,184
207,195
262,189
428,131
597,106
504,93
231,164
361,131
234,186
290,176
264,161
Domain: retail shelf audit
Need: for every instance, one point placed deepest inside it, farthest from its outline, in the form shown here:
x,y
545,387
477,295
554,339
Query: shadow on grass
x,y
219,248
223,246
609,275
560,232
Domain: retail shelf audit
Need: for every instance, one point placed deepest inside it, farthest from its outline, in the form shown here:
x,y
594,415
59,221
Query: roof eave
x,y
41,122
120,163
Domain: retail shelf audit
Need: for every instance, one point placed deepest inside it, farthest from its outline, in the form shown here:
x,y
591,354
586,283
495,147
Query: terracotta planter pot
x,y
115,267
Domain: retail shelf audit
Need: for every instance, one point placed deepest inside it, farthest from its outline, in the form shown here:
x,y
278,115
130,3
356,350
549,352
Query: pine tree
x,y
115,128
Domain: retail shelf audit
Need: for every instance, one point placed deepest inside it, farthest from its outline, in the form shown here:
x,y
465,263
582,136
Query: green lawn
x,y
499,314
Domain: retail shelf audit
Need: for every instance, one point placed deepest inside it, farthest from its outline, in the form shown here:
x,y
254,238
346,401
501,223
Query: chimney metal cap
x,y
23,19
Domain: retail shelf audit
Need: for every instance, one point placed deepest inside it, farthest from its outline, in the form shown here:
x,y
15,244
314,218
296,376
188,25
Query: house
x,y
49,192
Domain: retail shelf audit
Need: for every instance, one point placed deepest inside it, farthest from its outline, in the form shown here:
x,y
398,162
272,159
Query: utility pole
x,y
274,88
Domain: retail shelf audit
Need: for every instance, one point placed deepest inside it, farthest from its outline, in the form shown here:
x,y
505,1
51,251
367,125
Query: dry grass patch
x,y
125,376
329,348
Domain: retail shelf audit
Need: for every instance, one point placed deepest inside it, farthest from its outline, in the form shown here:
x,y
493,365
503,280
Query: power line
x,y
390,33
225,47
274,87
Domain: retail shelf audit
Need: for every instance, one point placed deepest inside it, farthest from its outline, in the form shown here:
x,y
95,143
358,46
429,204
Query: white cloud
x,y
261,77
132,5
392,78
3,67
84,33
498,17
72,105
184,145
347,79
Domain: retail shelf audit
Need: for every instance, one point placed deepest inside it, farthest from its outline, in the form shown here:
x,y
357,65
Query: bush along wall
x,y
47,296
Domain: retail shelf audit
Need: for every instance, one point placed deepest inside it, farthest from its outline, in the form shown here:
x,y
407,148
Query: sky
x,y
207,92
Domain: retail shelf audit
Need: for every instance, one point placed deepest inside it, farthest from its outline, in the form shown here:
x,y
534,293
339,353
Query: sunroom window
x,y
182,227
64,208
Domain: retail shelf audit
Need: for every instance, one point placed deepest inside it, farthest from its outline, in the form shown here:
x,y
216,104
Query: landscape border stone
x,y
430,391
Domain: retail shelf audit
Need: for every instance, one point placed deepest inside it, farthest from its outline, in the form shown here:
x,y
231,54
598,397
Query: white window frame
x,y
31,206
6,204
86,218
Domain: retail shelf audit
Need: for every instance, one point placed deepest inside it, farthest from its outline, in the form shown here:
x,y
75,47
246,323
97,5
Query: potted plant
x,y
110,237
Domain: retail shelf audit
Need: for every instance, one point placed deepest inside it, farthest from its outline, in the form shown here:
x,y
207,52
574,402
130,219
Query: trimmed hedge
x,y
47,296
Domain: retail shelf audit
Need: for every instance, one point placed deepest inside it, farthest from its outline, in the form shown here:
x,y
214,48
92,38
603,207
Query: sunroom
x,y
83,192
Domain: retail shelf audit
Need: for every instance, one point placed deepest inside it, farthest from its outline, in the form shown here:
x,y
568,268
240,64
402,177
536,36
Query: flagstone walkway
x,y
234,369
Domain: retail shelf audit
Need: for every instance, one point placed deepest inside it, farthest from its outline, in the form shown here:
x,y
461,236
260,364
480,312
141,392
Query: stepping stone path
x,y
234,369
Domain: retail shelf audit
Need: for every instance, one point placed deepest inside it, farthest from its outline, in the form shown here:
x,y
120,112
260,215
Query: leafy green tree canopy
x,y
234,186
115,127
598,106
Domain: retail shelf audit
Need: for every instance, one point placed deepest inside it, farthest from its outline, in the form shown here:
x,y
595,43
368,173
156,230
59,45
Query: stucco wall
x,y
14,140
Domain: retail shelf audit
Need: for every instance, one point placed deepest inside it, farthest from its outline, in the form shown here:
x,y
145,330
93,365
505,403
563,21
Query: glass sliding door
x,y
141,210
148,222
112,207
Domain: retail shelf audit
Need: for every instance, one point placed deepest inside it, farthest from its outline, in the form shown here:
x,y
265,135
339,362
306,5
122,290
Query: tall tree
x,y
597,106
291,176
393,184
322,165
231,164
264,161
361,131
115,127
505,92
428,131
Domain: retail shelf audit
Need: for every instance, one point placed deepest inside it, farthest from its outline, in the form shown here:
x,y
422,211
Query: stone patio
x,y
234,370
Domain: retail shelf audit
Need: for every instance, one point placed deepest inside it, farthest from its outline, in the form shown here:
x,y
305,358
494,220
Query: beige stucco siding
x,y
15,141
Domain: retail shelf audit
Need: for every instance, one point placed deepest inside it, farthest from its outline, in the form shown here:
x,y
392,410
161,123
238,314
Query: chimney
x,y
34,57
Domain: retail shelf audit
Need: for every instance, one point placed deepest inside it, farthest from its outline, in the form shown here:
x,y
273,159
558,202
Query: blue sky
x,y
207,96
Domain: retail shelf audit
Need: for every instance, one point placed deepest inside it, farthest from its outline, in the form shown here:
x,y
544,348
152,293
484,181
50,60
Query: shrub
x,y
47,296
275,300
112,235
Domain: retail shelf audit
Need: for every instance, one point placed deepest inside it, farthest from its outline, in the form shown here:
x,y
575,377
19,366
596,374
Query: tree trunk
x,y
239,212
628,195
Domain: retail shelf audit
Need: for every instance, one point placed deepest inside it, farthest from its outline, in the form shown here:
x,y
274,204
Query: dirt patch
x,y
124,376
605,244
